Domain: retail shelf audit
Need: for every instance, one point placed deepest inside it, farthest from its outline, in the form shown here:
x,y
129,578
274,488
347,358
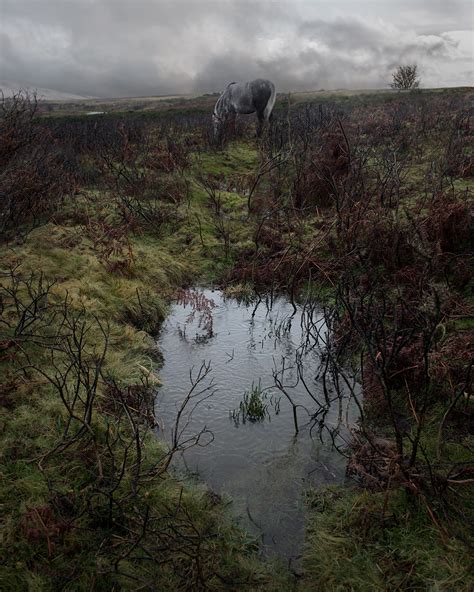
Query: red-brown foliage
x,y
34,178
41,525
320,167
450,224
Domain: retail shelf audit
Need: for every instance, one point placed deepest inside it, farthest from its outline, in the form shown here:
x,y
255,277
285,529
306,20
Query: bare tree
x,y
406,77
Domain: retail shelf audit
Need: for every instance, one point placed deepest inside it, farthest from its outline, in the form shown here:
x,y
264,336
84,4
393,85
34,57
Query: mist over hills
x,y
9,88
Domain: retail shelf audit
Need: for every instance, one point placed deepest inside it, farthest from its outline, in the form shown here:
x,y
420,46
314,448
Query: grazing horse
x,y
245,98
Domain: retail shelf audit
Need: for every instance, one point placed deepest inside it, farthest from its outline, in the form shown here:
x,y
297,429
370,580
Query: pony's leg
x,y
261,121
269,122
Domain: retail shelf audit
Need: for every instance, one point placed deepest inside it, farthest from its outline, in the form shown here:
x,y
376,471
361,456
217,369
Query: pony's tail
x,y
270,104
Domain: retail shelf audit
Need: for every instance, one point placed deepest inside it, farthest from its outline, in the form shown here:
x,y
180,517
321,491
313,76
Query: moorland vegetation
x,y
361,203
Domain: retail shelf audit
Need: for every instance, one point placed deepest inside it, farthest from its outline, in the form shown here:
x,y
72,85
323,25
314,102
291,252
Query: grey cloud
x,y
142,47
314,71
347,33
352,54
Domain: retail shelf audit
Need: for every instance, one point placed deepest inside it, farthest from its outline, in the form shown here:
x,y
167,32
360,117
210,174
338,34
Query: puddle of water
x,y
262,466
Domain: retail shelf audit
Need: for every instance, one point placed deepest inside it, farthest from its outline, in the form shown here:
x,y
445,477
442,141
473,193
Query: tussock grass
x,y
363,541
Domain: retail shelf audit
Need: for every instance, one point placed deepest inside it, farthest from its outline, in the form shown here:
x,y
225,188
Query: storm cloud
x,y
119,48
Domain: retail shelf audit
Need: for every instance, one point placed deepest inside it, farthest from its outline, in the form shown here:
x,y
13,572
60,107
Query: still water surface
x,y
263,466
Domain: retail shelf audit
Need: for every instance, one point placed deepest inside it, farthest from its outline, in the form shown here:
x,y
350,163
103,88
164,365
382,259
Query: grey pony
x,y
245,98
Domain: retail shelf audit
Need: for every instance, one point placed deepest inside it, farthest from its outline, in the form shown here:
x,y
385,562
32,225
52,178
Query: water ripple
x,y
262,466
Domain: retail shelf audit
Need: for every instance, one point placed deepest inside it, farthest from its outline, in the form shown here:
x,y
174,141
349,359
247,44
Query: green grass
x,y
366,542
238,157
464,324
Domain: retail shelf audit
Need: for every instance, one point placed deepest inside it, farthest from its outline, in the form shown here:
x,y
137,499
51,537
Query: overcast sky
x,y
112,48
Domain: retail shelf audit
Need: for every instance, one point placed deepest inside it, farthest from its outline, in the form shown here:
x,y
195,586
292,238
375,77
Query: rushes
x,y
255,406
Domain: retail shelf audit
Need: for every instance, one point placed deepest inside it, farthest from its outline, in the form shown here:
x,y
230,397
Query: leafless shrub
x,y
17,125
221,218
33,177
133,170
406,77
27,308
396,265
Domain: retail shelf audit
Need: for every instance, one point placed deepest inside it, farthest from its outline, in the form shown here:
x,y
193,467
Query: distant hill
x,y
9,88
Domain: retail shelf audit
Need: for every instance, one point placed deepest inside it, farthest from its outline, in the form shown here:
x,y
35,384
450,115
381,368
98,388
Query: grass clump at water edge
x,y
254,406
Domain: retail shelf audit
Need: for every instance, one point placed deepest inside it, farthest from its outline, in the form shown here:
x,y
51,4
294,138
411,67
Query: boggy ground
x,y
363,204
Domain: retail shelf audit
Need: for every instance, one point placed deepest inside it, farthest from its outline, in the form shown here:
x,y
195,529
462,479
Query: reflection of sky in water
x,y
262,466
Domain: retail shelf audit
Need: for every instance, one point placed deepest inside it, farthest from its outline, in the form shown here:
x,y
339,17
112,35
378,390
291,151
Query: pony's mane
x,y
220,99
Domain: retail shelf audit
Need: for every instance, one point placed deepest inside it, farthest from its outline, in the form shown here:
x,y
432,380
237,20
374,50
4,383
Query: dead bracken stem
x,y
201,307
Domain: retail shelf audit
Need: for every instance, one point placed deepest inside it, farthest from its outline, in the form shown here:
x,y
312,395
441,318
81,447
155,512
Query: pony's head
x,y
216,124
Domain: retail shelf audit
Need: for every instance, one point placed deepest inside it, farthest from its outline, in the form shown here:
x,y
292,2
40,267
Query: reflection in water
x,y
263,466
